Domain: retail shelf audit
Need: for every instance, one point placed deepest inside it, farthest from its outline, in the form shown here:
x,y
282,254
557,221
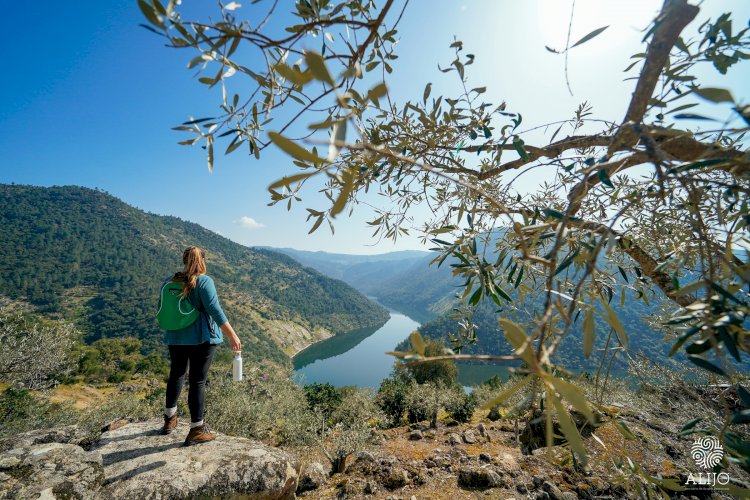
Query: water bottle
x,y
237,367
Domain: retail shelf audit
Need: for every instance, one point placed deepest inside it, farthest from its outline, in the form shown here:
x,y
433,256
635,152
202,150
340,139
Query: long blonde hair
x,y
194,259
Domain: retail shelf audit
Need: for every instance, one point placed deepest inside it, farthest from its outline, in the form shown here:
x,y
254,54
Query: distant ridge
x,y
86,255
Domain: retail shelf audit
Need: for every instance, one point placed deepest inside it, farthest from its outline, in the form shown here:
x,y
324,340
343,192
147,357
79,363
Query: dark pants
x,y
199,357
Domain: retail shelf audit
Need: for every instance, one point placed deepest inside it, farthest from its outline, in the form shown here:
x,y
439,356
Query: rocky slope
x,y
134,461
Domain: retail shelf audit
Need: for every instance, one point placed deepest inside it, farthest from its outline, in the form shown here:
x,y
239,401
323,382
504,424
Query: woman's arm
x,y
234,340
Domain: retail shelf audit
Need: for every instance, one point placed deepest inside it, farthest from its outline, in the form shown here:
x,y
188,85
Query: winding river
x,y
358,358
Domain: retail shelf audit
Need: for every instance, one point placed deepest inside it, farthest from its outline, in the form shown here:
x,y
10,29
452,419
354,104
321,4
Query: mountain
x,y
402,280
84,255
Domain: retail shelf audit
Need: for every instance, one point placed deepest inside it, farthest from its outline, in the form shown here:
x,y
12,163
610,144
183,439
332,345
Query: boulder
x,y
397,478
312,478
481,478
69,434
415,435
454,438
50,470
469,436
141,463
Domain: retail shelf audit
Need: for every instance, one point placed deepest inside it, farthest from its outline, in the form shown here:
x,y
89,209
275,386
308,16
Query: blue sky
x,y
89,98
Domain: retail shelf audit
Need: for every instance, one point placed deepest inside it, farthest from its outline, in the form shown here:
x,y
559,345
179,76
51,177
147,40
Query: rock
x,y
485,457
364,456
370,488
469,437
397,478
553,491
508,463
69,434
482,430
139,462
537,481
415,435
480,478
569,495
312,478
115,424
413,497
494,414
454,438
51,470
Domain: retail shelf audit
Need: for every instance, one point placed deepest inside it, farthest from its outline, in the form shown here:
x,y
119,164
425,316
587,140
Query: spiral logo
x,y
706,451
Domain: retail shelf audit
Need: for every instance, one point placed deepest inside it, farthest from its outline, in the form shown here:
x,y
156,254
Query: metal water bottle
x,y
237,367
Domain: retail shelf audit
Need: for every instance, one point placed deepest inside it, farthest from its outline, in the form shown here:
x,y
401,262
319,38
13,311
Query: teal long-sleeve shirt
x,y
205,329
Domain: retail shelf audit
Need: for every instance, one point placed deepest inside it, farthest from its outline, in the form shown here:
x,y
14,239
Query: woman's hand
x,y
234,340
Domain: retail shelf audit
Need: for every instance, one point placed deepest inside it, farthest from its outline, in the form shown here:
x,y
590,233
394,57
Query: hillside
x,y
87,256
402,280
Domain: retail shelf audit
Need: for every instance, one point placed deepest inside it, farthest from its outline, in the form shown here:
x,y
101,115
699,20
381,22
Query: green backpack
x,y
175,312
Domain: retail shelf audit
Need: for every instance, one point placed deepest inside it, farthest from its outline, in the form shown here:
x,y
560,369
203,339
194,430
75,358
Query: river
x,y
358,358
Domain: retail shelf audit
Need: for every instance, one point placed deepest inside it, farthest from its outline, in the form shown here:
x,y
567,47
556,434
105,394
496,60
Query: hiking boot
x,y
199,435
170,424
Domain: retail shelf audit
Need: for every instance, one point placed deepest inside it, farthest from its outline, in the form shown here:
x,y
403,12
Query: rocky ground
x,y
482,460
134,461
476,460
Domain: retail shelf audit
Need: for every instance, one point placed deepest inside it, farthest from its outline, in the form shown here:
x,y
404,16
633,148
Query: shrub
x,y
391,398
438,372
323,397
34,353
423,402
460,406
353,429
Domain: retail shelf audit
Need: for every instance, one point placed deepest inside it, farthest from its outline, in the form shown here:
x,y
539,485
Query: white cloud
x,y
249,223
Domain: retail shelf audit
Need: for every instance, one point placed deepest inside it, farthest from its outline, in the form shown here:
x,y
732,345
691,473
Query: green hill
x,y
84,255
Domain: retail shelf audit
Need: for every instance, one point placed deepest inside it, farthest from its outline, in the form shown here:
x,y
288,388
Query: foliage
x,y
678,230
424,401
118,359
323,398
460,406
443,372
391,398
35,353
89,257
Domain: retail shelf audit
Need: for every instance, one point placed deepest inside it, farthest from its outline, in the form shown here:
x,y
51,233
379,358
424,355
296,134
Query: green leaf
x,y
346,189
572,395
706,365
289,180
569,429
714,94
604,178
150,12
518,145
417,342
338,137
567,262
510,391
591,35
744,395
318,68
615,323
693,116
589,332
293,149
519,340
689,426
426,94
377,92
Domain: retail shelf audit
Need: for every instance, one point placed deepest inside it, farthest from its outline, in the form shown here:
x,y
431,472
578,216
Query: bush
x,y
423,402
461,406
391,398
324,398
353,428
34,353
438,372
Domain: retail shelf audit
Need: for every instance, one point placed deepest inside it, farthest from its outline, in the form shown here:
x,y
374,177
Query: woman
x,y
195,345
